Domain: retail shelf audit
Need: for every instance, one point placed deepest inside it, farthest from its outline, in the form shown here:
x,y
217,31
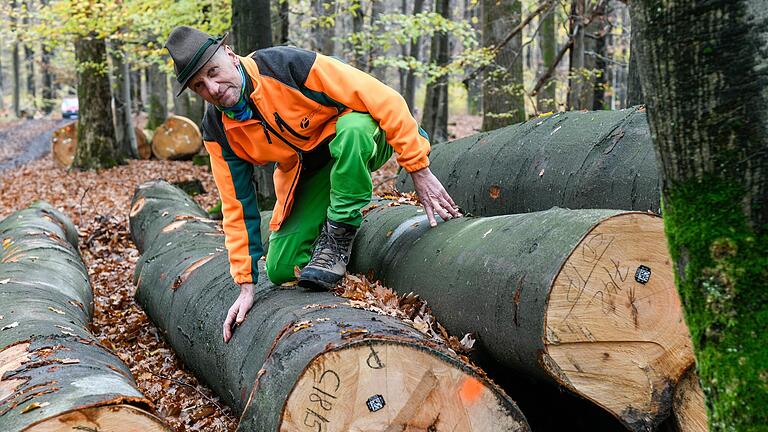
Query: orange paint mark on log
x,y
494,191
470,390
137,206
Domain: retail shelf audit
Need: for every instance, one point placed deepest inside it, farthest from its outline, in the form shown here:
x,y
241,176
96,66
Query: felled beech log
x,y
142,144
301,361
63,145
689,410
54,375
560,295
177,138
577,160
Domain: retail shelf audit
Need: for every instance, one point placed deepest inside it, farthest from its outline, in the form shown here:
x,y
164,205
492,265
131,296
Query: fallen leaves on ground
x,y
98,203
13,137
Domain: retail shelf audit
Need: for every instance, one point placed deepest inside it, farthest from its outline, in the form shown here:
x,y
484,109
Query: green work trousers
x,y
338,192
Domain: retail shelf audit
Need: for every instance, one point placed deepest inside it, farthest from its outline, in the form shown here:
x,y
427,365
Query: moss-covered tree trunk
x,y
96,146
503,96
704,68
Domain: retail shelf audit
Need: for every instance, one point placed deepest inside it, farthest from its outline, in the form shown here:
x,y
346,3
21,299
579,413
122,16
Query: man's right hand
x,y
238,310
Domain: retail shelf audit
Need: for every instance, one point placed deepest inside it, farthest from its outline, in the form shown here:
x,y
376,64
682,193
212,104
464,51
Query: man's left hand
x,y
433,196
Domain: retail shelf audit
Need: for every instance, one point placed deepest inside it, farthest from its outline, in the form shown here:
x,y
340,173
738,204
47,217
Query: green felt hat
x,y
190,49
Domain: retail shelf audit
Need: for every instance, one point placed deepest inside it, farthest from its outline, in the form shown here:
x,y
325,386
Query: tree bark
x,y
576,79
473,14
284,22
48,90
325,29
503,94
435,117
414,49
378,8
125,136
704,73
158,97
307,359
251,25
96,130
558,295
359,54
572,160
600,66
634,84
15,63
47,354
545,99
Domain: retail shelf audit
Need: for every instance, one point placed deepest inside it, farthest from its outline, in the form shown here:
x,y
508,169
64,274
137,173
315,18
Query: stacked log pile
x,y
577,160
54,375
582,298
301,360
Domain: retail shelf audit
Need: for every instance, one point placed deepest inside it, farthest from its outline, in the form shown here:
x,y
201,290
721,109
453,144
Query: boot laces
x,y
329,249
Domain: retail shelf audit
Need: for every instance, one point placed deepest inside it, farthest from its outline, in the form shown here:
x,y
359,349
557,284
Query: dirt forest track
x,y
22,141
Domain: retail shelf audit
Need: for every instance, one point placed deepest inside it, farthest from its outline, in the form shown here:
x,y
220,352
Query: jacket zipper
x,y
267,129
280,123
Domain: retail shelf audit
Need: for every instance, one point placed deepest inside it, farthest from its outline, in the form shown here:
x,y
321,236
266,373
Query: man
x,y
326,125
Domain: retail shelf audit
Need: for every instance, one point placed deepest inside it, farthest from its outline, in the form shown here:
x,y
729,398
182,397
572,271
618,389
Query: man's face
x,y
218,81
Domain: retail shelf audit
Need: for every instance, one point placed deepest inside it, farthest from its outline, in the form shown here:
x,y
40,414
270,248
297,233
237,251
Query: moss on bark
x,y
722,268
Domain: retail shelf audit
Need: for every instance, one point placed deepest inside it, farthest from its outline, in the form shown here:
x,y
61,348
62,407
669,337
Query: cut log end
x,y
177,138
614,324
143,146
63,145
110,418
689,409
388,386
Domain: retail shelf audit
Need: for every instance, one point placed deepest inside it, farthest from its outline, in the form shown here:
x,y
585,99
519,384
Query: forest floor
x,y
98,203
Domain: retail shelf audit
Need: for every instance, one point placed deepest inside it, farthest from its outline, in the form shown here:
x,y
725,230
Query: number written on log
x,y
321,400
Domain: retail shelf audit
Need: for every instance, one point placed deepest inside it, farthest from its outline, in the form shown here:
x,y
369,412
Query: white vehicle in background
x,y
70,107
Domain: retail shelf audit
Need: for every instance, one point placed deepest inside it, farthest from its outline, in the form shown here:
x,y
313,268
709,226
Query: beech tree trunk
x,y
414,52
158,97
284,22
301,360
251,25
634,84
125,136
325,29
580,298
55,374
503,94
96,146
435,117
15,63
704,72
545,98
601,159
576,72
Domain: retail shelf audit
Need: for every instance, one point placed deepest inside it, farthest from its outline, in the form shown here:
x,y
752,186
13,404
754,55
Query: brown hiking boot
x,y
329,257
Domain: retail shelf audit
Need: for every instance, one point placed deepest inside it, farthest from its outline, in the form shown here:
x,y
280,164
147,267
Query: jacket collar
x,y
253,86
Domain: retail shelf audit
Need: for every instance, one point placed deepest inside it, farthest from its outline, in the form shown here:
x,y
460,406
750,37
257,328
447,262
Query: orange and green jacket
x,y
296,96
